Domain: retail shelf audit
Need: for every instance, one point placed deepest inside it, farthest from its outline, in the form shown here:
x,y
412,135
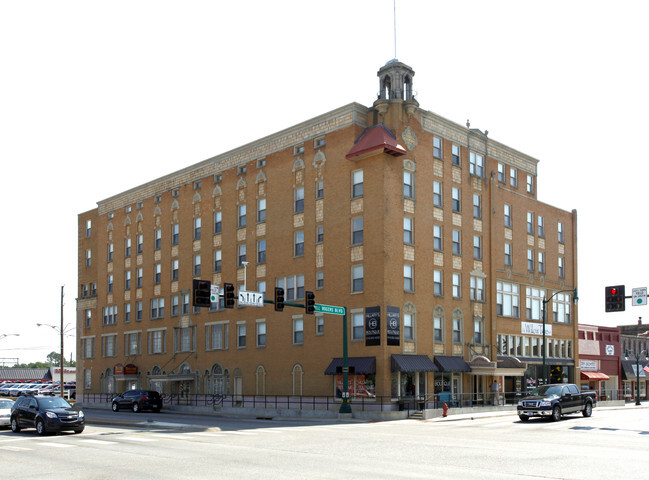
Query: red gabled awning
x,y
374,140
594,376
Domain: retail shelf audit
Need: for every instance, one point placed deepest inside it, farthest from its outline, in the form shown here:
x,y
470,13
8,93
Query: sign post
x,y
639,296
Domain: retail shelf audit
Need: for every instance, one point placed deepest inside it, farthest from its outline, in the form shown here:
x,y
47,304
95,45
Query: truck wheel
x,y
556,413
588,410
524,418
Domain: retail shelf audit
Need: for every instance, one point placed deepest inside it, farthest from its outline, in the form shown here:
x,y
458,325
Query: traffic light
x,y
309,305
614,297
279,299
201,293
228,295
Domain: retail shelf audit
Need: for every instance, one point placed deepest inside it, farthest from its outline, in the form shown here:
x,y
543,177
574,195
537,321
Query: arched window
x,y
297,373
261,380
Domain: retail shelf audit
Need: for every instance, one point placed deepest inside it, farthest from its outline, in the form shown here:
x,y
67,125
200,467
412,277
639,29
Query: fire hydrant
x,y
445,410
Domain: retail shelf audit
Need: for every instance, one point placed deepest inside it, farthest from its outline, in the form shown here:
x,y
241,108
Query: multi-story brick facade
x,y
389,206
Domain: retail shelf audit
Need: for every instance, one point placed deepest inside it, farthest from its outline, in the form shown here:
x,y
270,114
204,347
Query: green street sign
x,y
329,309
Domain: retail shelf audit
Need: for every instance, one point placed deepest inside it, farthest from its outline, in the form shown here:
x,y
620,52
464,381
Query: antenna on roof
x,y
395,28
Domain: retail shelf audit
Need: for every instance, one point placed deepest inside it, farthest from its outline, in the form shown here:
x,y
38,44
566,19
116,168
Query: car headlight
x,y
545,403
81,414
51,415
520,404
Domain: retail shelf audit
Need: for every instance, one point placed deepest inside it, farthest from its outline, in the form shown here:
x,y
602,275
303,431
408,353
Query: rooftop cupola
x,y
396,87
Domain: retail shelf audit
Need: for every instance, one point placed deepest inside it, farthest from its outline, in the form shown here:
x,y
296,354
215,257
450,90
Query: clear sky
x,y
100,97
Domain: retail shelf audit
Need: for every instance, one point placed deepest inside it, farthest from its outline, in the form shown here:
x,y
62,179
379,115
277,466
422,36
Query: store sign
x,y
372,326
528,328
610,349
588,365
394,326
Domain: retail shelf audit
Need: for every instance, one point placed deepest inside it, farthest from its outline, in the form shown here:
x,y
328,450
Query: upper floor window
x,y
530,223
242,216
508,215
293,286
357,278
158,238
357,231
197,265
299,200
88,228
218,222
175,234
408,327
457,330
261,210
298,150
357,183
127,248
299,244
501,173
455,195
541,226
507,299
455,150
319,190
408,236
530,184
408,279
197,228
476,164
533,302
560,236
477,289
437,194
477,206
513,178
110,252
140,243
408,184
561,308
437,147
437,238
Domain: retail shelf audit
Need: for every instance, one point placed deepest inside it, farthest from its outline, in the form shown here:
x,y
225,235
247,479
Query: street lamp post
x,y
3,335
637,357
62,331
544,315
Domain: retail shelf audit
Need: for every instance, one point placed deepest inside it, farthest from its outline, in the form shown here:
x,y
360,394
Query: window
x,y
457,285
358,326
457,242
530,260
561,308
541,258
298,150
501,173
261,210
175,305
88,228
293,286
533,303
139,277
408,327
110,315
437,238
261,334
261,252
197,185
562,272
319,234
530,223
109,346
127,280
241,170
298,250
242,216
477,247
132,343
218,336
156,339
127,248
157,273
319,190
455,152
218,222
110,252
437,148
174,270
217,261
437,283
438,334
319,324
197,265
477,206
508,215
109,285
261,163
357,278
455,194
357,231
299,200
507,299
298,331
457,330
477,330
408,282
184,339
357,184
138,311
140,244
88,258
88,318
508,254
407,231
319,280
241,254
175,234
408,184
513,178
560,236
218,178
477,289
158,238
540,225
476,164
530,184
241,335
197,228
89,347
319,142
437,194
157,308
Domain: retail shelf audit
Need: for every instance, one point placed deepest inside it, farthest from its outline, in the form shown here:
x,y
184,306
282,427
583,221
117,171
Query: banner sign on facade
x,y
372,326
394,326
528,328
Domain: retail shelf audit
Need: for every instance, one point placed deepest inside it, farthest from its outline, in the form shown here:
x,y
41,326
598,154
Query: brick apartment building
x,y
402,216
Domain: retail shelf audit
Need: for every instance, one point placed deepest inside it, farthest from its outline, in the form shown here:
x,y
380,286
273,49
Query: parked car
x,y
138,400
46,414
555,400
5,412
4,390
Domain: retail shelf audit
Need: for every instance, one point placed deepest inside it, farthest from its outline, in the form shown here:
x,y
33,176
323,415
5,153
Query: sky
x,y
100,97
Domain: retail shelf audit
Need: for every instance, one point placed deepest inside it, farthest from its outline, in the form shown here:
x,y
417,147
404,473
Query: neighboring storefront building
x,y
600,359
634,351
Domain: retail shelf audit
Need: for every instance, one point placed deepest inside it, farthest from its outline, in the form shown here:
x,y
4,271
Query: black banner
x,y
372,326
394,326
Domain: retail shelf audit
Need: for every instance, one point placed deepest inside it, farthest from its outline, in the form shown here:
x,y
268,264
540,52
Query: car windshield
x,y
6,403
545,390
53,402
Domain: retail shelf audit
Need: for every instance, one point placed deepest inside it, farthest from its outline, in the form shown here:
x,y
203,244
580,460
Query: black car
x,y
138,400
46,414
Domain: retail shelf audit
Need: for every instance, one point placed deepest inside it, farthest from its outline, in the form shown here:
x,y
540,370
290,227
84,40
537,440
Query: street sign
x,y
639,296
214,293
329,309
251,299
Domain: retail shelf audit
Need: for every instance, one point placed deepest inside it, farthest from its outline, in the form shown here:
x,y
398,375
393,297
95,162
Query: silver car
x,y
5,412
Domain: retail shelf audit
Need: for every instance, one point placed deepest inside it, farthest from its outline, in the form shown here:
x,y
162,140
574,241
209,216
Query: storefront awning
x,y
594,376
629,368
511,367
451,364
412,363
361,366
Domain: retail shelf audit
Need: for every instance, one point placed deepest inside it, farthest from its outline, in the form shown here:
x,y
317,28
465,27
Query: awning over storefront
x,y
412,363
451,364
481,365
629,370
511,367
594,376
361,366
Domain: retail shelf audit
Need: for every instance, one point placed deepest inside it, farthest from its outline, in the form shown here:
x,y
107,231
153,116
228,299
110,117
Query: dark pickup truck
x,y
554,400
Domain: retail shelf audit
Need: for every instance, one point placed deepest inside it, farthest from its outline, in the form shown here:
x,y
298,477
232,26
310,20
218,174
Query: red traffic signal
x,y
614,298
